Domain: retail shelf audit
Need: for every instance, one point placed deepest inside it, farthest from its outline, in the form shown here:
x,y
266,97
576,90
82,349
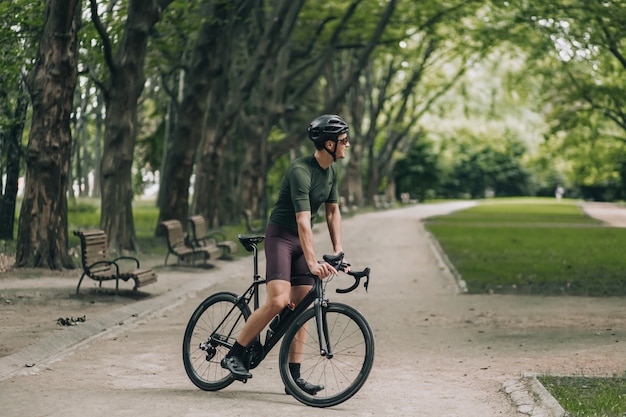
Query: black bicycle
x,y
338,348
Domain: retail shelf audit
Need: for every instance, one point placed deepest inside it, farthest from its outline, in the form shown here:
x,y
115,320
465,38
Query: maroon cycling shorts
x,y
284,259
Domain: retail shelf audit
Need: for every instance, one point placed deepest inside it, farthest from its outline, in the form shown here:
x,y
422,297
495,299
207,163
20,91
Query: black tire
x,y
201,359
343,374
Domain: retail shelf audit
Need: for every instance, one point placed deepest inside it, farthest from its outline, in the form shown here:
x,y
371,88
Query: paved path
x,y
612,214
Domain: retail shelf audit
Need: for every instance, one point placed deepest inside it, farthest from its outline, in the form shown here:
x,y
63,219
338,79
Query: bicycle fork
x,y
322,328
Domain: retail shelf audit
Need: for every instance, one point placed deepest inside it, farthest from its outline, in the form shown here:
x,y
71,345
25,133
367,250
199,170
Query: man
x,y
290,255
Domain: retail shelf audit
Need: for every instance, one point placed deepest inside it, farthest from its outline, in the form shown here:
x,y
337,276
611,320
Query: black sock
x,y
294,368
237,350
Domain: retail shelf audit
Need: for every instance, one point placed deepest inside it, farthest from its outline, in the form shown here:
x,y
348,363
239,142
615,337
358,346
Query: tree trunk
x,y
352,184
252,173
42,233
97,148
121,93
181,151
79,152
8,200
117,159
210,176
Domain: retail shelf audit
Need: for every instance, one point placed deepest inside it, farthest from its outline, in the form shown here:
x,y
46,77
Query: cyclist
x,y
289,248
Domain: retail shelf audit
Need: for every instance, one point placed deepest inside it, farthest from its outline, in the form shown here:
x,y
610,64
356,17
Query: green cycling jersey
x,y
306,185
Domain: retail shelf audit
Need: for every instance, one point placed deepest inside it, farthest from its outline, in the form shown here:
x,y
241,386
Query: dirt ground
x,y
31,304
439,353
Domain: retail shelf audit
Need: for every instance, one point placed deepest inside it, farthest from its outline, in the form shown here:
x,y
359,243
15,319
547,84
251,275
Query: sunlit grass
x,y
533,247
524,211
588,397
86,215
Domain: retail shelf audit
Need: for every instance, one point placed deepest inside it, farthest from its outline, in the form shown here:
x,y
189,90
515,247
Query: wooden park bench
x,y
184,250
97,266
201,237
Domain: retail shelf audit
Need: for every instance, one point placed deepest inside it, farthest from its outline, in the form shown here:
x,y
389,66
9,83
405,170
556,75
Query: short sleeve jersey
x,y
306,185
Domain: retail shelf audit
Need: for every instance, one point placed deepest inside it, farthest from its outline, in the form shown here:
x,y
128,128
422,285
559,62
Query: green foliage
x,y
476,167
533,247
274,178
19,36
587,396
578,64
418,172
83,215
81,206
145,215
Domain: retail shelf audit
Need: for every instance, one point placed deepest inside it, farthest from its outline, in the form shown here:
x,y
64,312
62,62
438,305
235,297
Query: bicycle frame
x,y
314,297
331,341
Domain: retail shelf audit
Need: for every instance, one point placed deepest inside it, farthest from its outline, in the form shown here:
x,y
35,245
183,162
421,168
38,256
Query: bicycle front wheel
x,y
212,328
341,363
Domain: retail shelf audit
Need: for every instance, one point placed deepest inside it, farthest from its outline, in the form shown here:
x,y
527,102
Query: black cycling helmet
x,y
326,127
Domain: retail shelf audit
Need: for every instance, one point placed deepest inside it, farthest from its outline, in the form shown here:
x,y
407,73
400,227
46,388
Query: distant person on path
x,y
558,193
291,261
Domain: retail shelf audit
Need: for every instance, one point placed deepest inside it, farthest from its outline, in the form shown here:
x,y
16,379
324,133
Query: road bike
x,y
338,348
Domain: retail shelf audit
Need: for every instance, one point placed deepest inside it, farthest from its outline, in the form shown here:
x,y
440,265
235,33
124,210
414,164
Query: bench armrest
x,y
126,258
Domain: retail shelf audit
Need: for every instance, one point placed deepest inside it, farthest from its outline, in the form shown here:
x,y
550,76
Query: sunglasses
x,y
344,141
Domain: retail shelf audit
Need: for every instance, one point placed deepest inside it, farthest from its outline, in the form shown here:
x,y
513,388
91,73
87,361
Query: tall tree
x,y
228,98
324,73
42,232
411,69
19,37
577,56
121,91
11,152
212,53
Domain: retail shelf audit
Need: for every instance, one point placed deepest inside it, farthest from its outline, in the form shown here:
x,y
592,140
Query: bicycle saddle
x,y
250,241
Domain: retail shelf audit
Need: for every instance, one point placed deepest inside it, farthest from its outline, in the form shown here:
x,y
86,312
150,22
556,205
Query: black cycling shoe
x,y
236,368
306,387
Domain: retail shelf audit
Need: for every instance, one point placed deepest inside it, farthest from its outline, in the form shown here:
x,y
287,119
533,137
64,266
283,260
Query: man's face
x,y
342,146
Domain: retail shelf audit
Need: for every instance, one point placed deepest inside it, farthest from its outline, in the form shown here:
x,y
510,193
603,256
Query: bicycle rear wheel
x,y
201,353
344,371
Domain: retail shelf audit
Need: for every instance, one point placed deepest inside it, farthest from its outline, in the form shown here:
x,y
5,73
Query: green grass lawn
x,y
533,246
588,397
85,214
539,246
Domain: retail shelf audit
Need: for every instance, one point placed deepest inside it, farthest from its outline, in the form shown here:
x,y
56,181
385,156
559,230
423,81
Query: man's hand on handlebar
x,y
337,261
344,267
323,270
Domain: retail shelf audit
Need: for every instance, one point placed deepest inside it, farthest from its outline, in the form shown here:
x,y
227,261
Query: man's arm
x,y
333,221
322,270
